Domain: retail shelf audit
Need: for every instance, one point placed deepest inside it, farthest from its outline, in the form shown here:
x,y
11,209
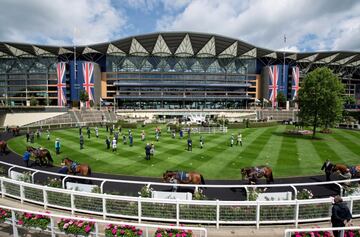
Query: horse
x,y
183,177
74,168
42,155
15,131
3,146
254,173
344,171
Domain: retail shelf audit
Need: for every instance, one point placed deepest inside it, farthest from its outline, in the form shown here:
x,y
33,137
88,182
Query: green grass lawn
x,y
287,155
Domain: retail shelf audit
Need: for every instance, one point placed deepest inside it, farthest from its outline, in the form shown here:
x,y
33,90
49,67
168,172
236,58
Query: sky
x,y
309,25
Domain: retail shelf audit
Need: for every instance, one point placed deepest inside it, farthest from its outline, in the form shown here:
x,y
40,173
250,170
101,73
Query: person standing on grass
x,y
114,145
26,158
131,139
232,140
239,139
152,150
32,137
48,134
189,143
37,133
181,133
88,132
57,146
157,136
96,132
340,215
107,141
116,135
81,142
27,136
124,139
80,130
201,142
147,151
107,128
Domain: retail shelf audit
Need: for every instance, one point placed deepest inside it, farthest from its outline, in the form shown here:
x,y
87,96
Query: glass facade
x,y
178,82
23,78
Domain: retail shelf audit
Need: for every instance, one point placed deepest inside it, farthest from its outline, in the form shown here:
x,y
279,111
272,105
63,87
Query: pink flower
x,y
66,225
108,226
158,235
87,229
20,222
140,232
170,234
71,222
178,235
122,232
80,224
114,231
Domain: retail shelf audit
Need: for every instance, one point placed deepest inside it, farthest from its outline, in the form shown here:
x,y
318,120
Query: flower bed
x,y
348,233
76,227
122,231
4,214
172,233
34,221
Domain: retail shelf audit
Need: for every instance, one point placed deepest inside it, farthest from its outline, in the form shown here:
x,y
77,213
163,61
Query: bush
x,y
122,231
26,177
4,214
125,124
75,227
236,125
262,124
55,182
305,194
35,221
172,232
145,191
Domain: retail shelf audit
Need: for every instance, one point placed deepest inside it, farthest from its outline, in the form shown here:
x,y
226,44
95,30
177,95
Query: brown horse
x,y
75,168
347,172
16,131
42,155
3,146
183,177
254,173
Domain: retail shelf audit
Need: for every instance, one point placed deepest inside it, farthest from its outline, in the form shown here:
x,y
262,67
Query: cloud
x,y
263,23
53,22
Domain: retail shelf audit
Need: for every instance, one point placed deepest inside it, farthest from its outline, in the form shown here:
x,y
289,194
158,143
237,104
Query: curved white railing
x,y
176,211
293,186
147,229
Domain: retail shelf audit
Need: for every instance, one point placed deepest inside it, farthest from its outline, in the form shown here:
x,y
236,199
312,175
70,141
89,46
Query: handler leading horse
x,y
42,155
254,173
184,177
74,168
344,171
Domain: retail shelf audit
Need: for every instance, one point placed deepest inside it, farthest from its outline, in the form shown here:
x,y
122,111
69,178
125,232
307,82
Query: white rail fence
x,y
295,187
99,225
176,211
291,232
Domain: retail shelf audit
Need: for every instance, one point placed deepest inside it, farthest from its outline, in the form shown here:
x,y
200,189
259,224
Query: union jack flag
x,y
295,82
61,84
273,83
88,73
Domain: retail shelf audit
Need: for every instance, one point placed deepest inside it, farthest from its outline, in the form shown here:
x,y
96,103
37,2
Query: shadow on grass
x,y
298,136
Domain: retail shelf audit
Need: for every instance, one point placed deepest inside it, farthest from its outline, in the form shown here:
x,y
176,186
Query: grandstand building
x,y
177,70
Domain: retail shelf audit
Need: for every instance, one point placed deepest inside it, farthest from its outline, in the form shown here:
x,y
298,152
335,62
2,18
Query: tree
x,y
349,100
84,96
33,101
320,99
280,98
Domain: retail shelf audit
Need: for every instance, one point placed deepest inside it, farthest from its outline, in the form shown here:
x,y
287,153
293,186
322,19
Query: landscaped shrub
x,y
305,194
34,220
145,191
125,124
76,227
262,124
4,214
172,233
122,231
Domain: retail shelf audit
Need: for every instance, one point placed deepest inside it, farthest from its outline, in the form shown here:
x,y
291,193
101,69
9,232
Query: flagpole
x,y
75,79
284,65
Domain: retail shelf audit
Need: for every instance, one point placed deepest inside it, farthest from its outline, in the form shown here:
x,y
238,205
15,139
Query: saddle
x,y
73,167
182,176
353,170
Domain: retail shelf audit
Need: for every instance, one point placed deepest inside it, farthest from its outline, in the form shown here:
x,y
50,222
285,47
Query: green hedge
x,y
125,124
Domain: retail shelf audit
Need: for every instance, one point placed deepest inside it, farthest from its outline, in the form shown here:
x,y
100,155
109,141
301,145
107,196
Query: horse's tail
x,y
48,156
89,171
271,178
202,179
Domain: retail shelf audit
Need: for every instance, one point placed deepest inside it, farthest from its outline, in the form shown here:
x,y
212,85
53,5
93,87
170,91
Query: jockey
x,y
173,180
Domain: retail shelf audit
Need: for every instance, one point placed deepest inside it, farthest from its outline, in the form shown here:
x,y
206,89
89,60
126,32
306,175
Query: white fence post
x,y
45,198
22,194
257,214
217,213
139,209
104,207
177,212
52,226
72,203
96,229
297,208
3,190
13,220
